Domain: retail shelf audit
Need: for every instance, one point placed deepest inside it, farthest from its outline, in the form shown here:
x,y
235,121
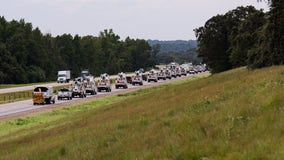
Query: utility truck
x,y
104,83
137,79
152,76
85,73
43,95
90,84
121,81
162,74
78,88
63,76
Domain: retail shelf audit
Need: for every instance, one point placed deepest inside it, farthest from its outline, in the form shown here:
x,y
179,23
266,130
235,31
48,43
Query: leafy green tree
x,y
269,49
213,43
245,23
27,55
226,40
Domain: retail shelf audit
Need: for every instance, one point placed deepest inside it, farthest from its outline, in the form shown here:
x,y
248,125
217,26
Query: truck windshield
x,y
40,89
61,75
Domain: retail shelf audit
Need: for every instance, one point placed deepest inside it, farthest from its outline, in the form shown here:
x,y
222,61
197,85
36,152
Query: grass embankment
x,y
233,115
22,95
4,86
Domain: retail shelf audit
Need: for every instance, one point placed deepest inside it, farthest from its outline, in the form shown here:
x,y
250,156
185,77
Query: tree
x,y
227,41
213,44
26,55
155,50
245,23
269,49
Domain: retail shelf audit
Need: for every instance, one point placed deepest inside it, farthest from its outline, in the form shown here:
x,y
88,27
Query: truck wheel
x,y
48,101
53,101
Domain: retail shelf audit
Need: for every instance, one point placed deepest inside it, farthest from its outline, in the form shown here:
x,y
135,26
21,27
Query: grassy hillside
x,y
237,114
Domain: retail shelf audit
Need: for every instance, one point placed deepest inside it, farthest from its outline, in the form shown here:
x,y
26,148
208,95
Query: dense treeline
x,y
174,46
26,55
244,36
179,57
179,51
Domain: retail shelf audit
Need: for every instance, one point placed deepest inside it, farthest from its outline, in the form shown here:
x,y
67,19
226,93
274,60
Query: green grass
x,y
4,86
21,95
237,114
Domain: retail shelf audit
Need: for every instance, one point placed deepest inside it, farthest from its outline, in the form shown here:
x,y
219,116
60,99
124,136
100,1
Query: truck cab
x,y
85,73
121,81
78,88
137,79
104,83
162,74
63,76
152,76
90,85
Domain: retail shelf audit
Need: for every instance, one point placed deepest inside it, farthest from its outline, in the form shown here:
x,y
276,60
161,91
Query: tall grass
x,y
233,115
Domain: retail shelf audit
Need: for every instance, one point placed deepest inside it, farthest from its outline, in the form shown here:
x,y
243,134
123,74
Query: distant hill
x,y
174,46
178,51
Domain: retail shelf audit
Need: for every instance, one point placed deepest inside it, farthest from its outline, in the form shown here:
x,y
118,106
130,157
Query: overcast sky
x,y
146,19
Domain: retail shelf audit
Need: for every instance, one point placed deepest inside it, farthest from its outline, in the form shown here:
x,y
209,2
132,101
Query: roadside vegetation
x,y
28,56
243,36
4,86
236,114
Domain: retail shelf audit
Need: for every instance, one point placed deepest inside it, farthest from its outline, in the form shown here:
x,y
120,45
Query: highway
x,y
26,107
26,88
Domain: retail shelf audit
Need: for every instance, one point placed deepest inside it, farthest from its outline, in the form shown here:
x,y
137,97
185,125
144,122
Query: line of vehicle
x,y
22,108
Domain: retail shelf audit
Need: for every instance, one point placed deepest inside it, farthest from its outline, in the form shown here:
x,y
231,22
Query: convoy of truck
x,y
86,84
